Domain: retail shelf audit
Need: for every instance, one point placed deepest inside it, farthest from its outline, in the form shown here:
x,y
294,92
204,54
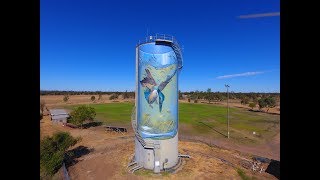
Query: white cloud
x,y
239,75
259,15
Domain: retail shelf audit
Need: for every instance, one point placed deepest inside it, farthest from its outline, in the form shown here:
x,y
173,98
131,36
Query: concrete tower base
x,y
163,154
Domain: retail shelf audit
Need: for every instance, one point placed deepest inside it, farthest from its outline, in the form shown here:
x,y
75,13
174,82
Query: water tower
x,y
155,116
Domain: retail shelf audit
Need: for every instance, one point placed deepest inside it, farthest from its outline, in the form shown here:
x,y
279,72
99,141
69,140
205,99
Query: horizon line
x,y
181,91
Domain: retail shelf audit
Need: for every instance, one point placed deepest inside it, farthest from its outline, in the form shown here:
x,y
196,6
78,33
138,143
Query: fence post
x,y
65,172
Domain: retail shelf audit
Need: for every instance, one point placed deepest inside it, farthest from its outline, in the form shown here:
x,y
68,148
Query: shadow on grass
x,y
274,168
212,128
254,110
91,124
259,111
72,155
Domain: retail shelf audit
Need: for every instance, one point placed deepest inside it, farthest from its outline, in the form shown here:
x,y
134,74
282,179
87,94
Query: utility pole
x,y
227,86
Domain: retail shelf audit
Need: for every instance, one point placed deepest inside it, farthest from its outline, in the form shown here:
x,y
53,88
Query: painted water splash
x,y
158,93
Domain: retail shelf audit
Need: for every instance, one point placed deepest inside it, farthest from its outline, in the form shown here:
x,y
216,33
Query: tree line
x,y
191,94
220,96
57,92
252,99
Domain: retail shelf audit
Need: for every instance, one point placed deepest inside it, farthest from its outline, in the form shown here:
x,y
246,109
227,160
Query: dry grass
x,y
237,104
57,100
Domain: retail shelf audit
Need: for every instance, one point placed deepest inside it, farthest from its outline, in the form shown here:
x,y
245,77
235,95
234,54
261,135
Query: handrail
x,y
175,44
159,37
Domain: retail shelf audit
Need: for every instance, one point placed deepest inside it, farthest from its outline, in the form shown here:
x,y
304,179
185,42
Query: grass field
x,y
207,120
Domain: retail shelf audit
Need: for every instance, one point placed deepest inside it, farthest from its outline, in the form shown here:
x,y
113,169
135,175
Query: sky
x,y
90,45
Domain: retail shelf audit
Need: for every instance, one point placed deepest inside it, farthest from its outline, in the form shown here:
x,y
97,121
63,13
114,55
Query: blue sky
x,y
90,45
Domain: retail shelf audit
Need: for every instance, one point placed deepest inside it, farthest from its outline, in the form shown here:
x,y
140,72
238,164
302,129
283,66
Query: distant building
x,y
59,116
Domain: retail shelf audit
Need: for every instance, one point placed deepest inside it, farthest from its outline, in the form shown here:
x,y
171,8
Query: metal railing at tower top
x,y
167,38
159,37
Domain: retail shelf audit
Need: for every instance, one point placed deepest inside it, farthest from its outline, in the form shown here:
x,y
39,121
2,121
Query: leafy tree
x,y
262,103
220,97
113,96
267,102
255,99
231,95
93,98
125,95
132,95
100,97
42,105
65,97
209,97
252,105
244,100
195,96
271,102
52,151
180,95
209,90
81,114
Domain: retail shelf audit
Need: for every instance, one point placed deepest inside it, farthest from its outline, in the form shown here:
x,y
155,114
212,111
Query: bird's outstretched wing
x,y
149,75
164,83
148,81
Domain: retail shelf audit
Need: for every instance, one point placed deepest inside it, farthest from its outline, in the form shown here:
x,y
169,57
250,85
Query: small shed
x,y
59,116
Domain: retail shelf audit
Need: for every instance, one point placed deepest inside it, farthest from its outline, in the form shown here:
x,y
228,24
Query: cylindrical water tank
x,y
157,106
158,62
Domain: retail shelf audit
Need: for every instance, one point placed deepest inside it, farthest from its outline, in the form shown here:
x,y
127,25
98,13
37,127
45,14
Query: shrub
x,y
65,98
52,151
125,95
93,98
113,96
252,105
188,99
242,174
196,101
244,100
100,97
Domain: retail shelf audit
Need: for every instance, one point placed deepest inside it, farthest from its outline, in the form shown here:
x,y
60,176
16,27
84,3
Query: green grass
x,y
242,121
112,113
201,119
144,172
243,175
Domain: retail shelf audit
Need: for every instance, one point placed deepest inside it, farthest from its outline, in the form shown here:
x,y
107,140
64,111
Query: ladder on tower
x,y
177,51
136,132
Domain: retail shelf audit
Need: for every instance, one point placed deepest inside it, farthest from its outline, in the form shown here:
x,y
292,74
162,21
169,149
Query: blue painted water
x,y
157,92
